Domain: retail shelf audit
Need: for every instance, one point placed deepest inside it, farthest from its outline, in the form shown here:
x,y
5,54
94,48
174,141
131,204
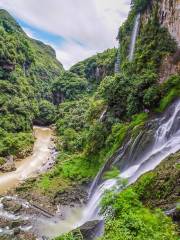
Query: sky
x,y
76,29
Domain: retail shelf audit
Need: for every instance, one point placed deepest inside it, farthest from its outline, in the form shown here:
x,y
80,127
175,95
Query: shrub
x,y
130,220
46,114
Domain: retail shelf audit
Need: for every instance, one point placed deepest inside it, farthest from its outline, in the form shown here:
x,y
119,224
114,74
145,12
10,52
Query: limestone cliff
x,y
169,11
169,17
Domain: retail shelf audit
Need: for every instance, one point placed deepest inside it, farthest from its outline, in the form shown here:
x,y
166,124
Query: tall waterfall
x,y
117,62
134,36
133,160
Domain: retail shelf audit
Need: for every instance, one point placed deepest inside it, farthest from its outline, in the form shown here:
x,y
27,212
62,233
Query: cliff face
x,y
170,66
97,67
169,17
169,13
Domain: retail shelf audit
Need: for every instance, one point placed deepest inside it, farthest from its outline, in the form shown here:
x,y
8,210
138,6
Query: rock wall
x,y
170,66
169,15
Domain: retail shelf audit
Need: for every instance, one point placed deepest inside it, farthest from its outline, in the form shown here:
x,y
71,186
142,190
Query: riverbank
x,y
17,215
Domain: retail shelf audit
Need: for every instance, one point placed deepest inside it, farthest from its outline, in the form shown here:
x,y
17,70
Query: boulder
x,y
11,206
3,222
71,197
16,231
15,223
90,230
9,159
8,167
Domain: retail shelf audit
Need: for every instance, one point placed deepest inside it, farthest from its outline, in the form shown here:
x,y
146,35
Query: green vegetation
x,y
76,235
162,182
69,86
27,70
137,88
78,129
14,143
113,173
128,97
129,219
46,114
95,68
170,91
35,89
139,5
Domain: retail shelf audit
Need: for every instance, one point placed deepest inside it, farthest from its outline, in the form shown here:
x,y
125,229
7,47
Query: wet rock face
x,y
175,215
71,197
89,230
137,148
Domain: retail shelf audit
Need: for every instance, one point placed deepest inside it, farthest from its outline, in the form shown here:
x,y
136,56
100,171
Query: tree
x,y
68,86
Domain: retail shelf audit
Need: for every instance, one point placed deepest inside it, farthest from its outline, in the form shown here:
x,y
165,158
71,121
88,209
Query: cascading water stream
x,y
117,62
134,37
165,140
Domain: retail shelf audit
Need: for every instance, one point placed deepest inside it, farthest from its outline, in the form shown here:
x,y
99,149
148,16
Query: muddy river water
x,y
29,166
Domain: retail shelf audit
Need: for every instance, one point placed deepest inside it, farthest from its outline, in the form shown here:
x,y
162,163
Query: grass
x,y
68,170
166,100
171,89
75,235
113,173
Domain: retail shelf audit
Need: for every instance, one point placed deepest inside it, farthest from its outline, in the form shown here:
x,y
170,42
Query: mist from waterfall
x,y
134,36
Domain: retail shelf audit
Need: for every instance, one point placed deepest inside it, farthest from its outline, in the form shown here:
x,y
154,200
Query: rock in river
x,y
11,206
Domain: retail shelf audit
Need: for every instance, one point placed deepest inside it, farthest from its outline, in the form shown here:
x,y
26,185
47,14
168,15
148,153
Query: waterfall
x,y
112,159
134,36
117,62
103,114
134,159
165,142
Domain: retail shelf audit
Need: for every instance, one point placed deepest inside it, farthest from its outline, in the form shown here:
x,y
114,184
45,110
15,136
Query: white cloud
x,y
94,23
71,53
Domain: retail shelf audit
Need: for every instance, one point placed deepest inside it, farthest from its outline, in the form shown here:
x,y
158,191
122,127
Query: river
x,y
30,166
